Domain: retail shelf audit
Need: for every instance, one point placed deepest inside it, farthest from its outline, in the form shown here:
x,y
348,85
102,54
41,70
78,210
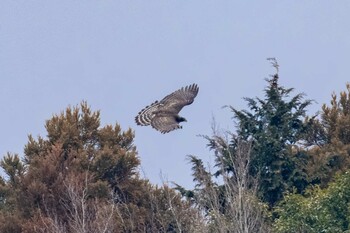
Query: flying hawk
x,y
163,115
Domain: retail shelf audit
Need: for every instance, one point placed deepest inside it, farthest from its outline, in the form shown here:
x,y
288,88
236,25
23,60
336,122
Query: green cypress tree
x,y
275,124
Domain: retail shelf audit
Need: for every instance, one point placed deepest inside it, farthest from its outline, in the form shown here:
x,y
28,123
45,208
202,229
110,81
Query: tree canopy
x,y
275,125
280,170
84,178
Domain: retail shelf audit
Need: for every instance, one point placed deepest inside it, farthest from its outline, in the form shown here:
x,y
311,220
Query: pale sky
x,y
120,56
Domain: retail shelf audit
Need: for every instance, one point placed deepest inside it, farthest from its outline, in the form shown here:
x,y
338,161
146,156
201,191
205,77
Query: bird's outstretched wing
x,y
180,98
144,117
163,115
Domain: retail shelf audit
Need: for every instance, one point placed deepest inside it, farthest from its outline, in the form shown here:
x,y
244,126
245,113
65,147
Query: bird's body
x,y
163,115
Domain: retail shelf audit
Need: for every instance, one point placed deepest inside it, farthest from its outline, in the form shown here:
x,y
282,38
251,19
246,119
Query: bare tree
x,y
81,213
185,216
232,205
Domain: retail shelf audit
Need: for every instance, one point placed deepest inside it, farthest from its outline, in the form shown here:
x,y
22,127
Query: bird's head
x,y
180,119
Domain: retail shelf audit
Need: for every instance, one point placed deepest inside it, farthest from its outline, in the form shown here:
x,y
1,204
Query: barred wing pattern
x,y
163,115
144,117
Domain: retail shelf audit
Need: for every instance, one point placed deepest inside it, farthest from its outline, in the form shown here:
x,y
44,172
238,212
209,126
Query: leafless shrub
x,y
81,213
232,205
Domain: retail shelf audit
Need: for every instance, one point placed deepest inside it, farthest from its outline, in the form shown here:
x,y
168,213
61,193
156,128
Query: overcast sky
x,y
120,56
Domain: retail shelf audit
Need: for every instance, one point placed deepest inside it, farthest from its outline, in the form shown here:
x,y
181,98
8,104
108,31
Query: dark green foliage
x,y
275,124
256,166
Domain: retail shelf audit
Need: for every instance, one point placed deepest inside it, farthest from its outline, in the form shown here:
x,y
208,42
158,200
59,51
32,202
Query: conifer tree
x,y
256,165
274,125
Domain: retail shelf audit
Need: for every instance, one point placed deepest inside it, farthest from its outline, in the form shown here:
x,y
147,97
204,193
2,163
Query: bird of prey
x,y
164,115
